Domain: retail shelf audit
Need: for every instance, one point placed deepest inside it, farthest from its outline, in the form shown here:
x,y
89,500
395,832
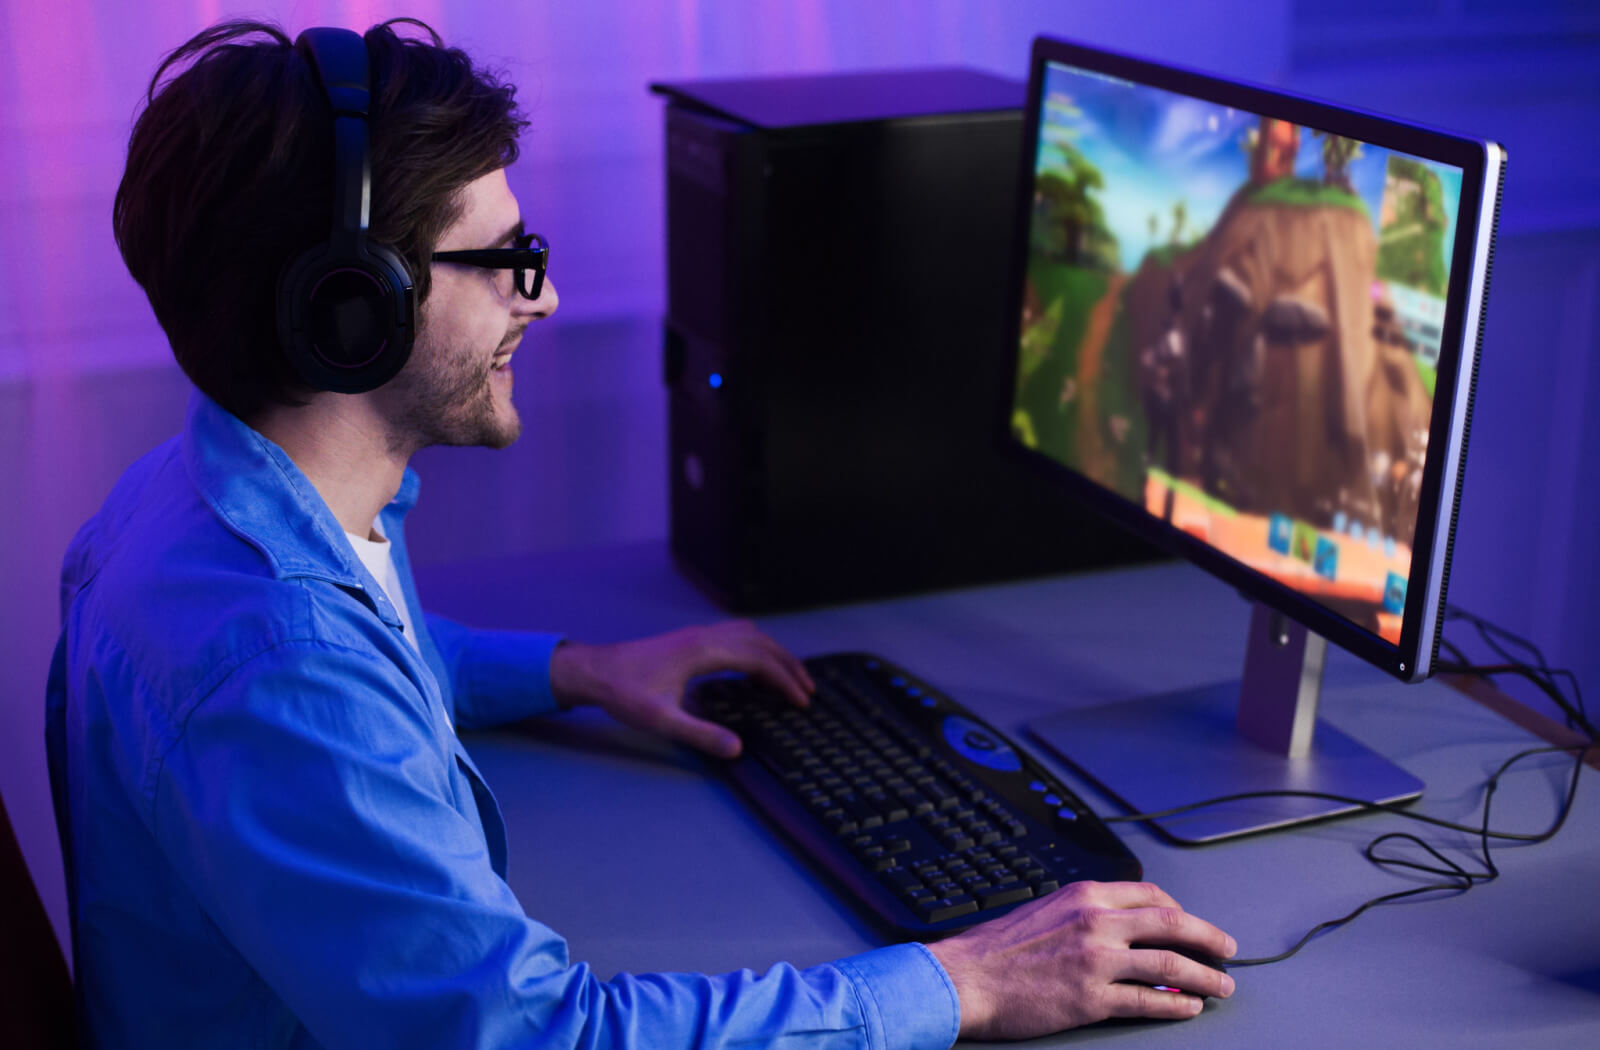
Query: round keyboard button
x,y
977,744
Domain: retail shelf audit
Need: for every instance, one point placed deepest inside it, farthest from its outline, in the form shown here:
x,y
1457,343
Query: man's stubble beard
x,y
450,401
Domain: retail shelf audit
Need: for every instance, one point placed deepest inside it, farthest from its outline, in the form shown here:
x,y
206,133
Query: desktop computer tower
x,y
838,253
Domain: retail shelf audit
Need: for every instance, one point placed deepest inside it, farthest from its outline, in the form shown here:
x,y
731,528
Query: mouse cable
x,y
1457,879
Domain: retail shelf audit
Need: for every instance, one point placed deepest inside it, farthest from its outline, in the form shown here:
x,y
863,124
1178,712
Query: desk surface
x,y
645,860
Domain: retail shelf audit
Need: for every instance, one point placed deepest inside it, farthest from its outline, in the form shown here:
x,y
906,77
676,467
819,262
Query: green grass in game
x,y
1307,193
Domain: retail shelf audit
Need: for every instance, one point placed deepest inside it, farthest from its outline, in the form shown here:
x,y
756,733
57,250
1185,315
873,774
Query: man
x,y
273,834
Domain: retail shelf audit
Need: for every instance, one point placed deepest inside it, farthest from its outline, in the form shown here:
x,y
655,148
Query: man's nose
x,y
542,307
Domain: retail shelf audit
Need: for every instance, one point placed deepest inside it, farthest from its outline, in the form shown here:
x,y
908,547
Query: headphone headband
x,y
346,308
338,59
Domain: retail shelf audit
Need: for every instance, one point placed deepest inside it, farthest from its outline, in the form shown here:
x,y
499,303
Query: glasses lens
x,y
530,279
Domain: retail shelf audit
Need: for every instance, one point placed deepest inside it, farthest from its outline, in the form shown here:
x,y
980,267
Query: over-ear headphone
x,y
346,308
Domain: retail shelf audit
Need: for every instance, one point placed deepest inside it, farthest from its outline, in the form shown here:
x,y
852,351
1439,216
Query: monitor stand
x,y
1159,752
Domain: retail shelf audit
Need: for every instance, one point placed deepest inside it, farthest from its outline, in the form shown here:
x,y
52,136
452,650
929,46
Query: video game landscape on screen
x,y
1234,322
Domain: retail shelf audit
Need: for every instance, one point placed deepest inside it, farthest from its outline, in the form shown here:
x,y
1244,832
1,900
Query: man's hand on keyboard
x,y
1065,960
641,683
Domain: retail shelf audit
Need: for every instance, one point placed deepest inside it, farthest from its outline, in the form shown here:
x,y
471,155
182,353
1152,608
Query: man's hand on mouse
x,y
641,683
1065,961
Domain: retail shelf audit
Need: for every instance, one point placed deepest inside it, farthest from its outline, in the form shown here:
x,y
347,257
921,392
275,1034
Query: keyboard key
x,y
902,881
1009,893
948,908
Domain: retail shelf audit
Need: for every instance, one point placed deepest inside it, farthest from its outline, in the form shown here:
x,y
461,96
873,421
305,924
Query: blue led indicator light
x,y
715,380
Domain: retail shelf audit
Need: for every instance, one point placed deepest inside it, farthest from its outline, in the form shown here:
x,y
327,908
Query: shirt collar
x,y
259,493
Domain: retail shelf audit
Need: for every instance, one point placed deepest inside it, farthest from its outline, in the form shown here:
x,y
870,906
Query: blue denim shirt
x,y
274,837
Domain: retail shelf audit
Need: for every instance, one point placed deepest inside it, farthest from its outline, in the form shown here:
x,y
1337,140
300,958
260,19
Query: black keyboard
x,y
931,817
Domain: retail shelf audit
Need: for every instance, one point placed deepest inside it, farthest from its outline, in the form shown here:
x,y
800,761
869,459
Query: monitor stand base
x,y
1261,734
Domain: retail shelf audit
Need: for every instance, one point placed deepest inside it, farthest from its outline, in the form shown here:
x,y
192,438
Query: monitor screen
x,y
1236,319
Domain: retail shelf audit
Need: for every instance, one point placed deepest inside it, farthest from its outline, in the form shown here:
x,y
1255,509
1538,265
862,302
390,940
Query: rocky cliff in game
x,y
1268,377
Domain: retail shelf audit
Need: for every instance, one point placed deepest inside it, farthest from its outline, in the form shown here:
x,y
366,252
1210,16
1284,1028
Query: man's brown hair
x,y
230,178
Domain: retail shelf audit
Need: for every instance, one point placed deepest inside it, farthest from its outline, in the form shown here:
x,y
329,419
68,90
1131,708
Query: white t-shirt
x,y
377,557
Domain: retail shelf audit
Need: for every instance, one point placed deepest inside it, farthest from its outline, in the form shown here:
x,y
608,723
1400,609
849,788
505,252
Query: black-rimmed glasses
x,y
529,256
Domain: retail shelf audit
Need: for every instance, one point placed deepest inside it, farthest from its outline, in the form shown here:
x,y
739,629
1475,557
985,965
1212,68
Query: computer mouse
x,y
1201,957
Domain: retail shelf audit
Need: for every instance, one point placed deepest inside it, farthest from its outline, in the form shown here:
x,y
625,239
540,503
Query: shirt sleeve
x,y
312,805
495,677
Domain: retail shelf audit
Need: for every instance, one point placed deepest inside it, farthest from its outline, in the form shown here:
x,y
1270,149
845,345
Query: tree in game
x,y
1180,219
1274,149
1067,197
1411,248
1337,153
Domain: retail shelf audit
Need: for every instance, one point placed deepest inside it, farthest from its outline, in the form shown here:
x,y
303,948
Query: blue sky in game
x,y
1154,148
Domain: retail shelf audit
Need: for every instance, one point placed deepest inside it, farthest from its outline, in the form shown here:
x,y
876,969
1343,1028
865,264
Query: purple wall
x,y
86,383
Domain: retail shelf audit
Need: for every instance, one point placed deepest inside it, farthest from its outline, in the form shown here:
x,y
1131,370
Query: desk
x,y
644,860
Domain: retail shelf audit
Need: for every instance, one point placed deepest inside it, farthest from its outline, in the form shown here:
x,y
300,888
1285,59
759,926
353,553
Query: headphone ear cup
x,y
347,322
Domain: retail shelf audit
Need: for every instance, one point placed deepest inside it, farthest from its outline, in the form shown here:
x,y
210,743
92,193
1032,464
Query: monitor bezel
x,y
1411,659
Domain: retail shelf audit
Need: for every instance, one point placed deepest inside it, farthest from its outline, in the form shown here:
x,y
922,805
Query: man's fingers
x,y
1157,927
743,647
1138,1000
1129,895
780,668
783,672
1156,966
678,724
798,667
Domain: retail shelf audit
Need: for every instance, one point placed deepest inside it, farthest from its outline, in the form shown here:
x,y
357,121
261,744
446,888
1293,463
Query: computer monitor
x,y
1247,328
